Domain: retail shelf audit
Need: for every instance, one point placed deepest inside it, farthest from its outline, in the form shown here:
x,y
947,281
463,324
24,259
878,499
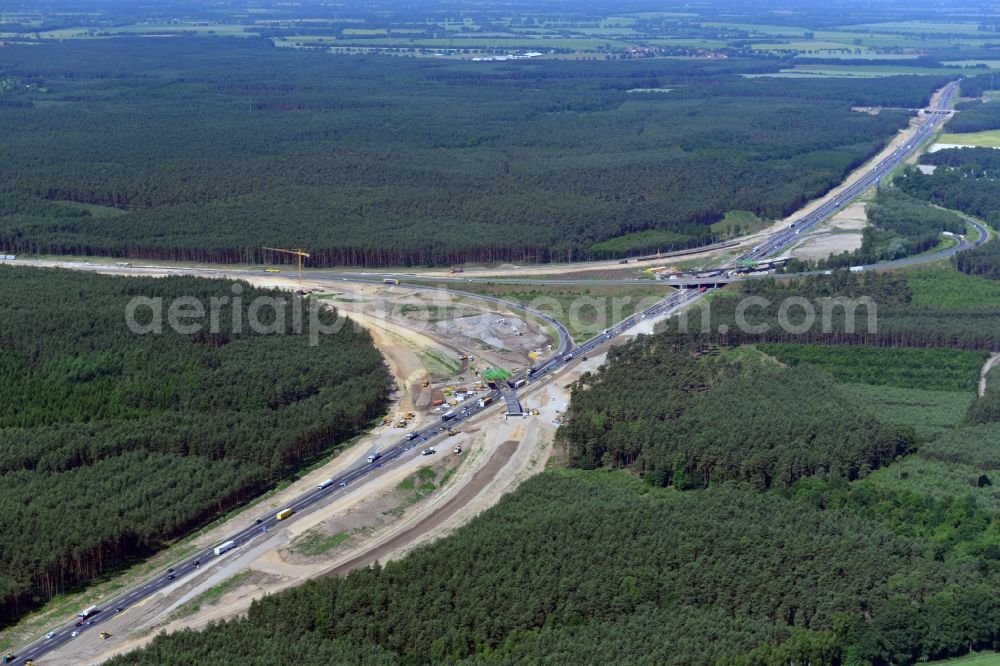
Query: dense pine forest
x,y
112,443
812,517
599,568
687,420
895,566
208,149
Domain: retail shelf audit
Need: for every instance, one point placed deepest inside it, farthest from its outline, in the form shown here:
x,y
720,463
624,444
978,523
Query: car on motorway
x,y
120,609
50,635
258,521
169,577
74,634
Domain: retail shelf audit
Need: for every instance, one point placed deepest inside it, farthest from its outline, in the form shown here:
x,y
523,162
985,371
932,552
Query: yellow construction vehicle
x,y
105,635
299,254
452,432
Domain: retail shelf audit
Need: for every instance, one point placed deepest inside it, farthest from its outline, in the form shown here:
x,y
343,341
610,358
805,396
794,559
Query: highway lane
x,y
438,431
426,437
930,123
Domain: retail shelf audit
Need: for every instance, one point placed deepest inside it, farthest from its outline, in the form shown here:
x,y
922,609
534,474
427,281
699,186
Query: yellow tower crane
x,y
299,253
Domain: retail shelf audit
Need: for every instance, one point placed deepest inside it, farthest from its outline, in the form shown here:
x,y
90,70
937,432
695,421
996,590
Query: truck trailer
x,y
87,612
224,547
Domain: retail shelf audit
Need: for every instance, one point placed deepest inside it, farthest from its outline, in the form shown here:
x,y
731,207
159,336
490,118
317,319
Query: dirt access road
x,y
497,456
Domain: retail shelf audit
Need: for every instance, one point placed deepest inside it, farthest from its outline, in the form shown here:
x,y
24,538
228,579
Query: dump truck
x,y
485,401
284,513
224,547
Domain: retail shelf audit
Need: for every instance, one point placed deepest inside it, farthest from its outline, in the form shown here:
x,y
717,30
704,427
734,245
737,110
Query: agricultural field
x,y
987,139
928,412
823,494
930,368
552,30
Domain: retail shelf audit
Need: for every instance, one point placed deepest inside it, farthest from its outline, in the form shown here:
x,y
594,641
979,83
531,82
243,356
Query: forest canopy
x,y
113,443
691,417
598,568
208,149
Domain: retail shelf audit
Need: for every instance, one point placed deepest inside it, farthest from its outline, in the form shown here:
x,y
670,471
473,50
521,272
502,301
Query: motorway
x,y
565,354
872,177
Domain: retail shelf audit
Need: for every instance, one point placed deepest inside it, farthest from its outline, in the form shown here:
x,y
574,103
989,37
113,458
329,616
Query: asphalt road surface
x,y
427,437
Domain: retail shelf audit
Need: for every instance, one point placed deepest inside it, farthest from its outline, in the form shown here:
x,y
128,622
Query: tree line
x,y
690,419
208,150
592,567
